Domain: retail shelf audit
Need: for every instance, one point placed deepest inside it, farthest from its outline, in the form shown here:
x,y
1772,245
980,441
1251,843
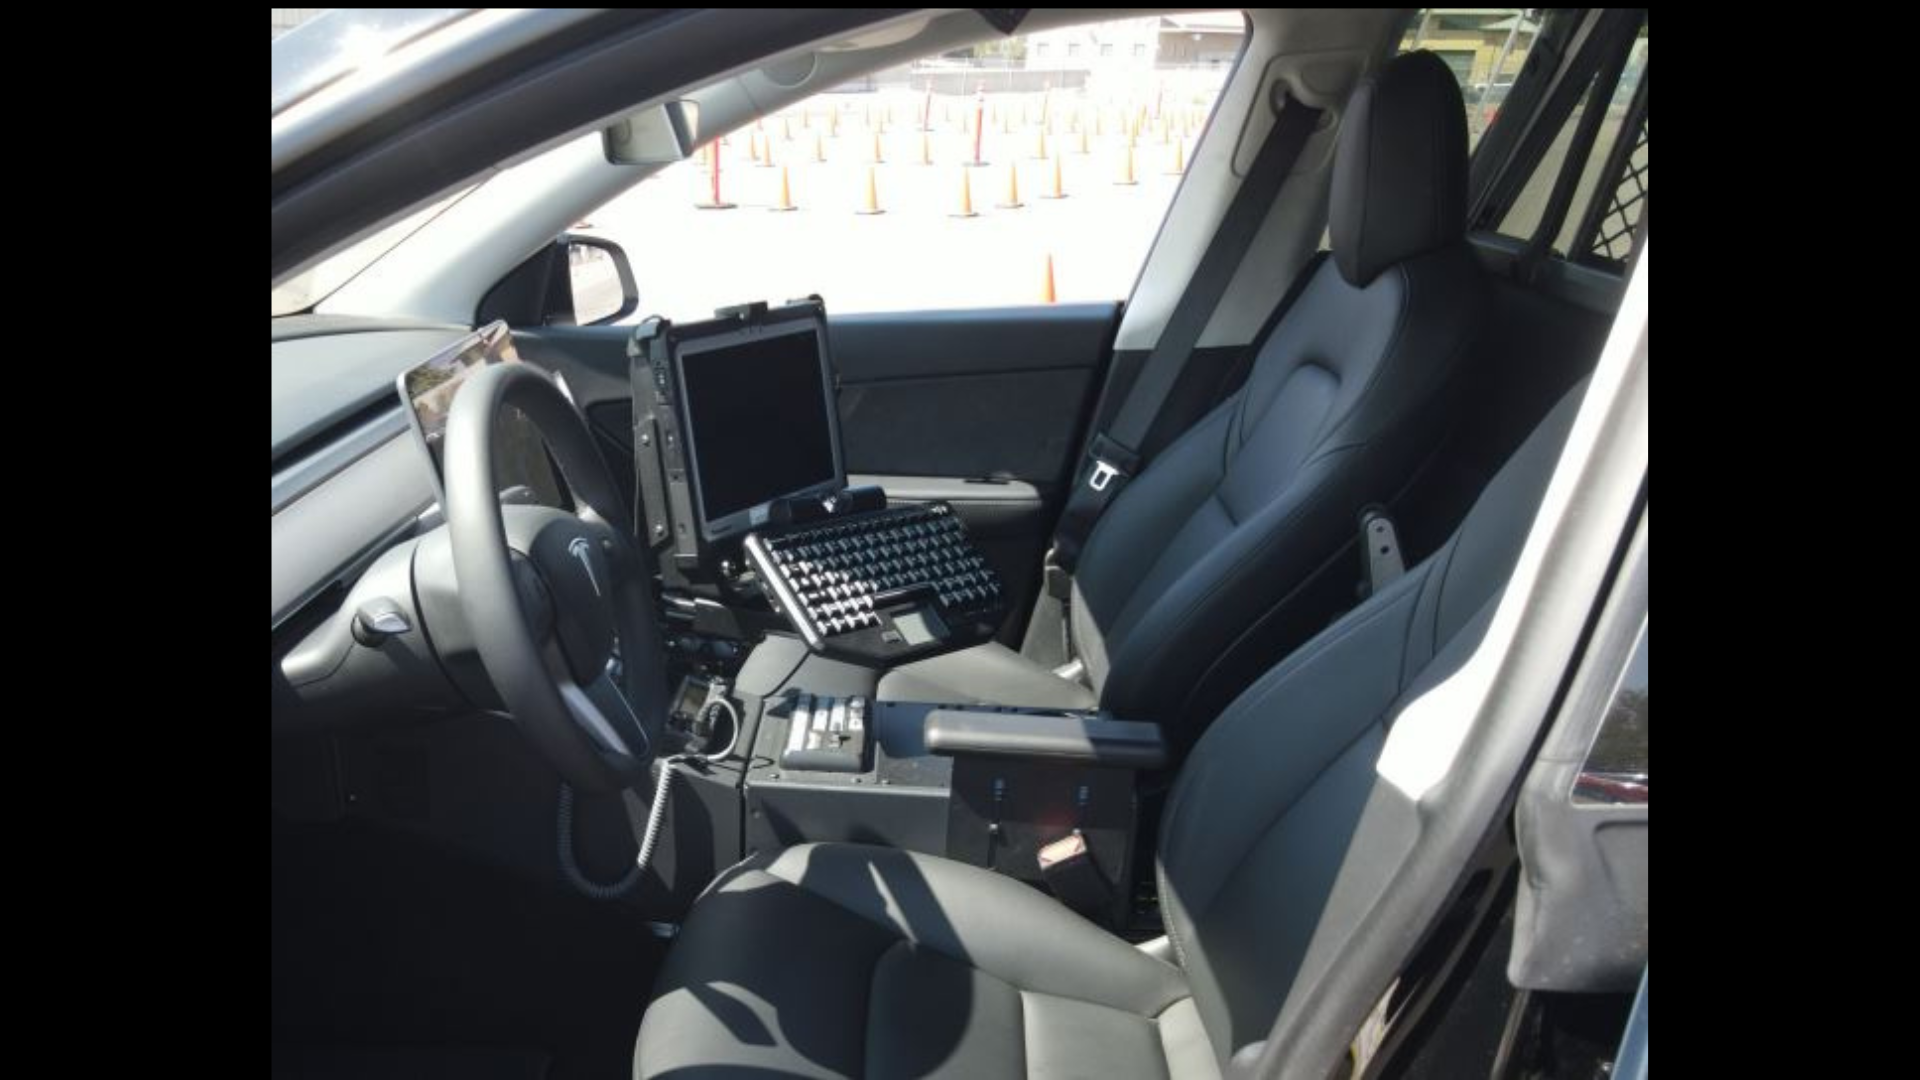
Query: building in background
x,y
1194,40
285,19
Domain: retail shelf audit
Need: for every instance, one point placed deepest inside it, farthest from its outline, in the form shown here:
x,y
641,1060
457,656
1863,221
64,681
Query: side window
x,y
1486,48
1025,170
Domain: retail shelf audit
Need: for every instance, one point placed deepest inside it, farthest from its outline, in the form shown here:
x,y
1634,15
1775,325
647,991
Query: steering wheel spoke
x,y
554,669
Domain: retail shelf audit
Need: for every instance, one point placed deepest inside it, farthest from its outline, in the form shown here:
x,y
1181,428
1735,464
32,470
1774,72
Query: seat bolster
x,y
848,960
985,920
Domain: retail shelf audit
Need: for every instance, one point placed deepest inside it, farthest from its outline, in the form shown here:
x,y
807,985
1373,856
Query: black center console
x,y
760,542
1045,797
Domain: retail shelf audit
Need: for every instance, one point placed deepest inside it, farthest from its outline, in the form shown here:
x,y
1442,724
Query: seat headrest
x,y
1400,172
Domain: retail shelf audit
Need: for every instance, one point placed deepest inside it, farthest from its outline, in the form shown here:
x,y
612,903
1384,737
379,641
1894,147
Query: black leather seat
x,y
1350,393
844,960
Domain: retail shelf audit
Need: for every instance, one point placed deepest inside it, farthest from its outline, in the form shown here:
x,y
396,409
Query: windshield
x,y
321,280
315,46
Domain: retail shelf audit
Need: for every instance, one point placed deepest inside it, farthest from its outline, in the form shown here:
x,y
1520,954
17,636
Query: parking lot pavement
x,y
915,253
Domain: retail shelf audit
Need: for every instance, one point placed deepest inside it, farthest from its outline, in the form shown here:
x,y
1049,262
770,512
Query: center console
x,y
791,593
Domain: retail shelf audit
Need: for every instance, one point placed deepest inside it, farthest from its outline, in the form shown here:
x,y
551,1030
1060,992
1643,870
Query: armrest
x,y
1086,740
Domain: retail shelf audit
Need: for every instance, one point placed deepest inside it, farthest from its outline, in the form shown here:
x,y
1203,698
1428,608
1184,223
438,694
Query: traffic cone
x,y
786,129
753,147
1125,178
1179,158
714,201
878,157
873,196
833,122
786,194
966,197
1013,189
1057,192
1083,142
926,149
806,119
1040,145
766,152
1046,286
819,148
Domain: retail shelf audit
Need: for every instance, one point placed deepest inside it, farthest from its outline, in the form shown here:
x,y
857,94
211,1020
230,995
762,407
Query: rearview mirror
x,y
659,135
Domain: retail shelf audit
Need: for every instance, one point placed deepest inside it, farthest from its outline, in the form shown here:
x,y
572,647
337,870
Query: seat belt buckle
x,y
1054,577
1068,868
1111,461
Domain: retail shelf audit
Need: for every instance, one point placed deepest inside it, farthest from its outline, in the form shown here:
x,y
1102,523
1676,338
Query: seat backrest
x,y
1346,397
1257,828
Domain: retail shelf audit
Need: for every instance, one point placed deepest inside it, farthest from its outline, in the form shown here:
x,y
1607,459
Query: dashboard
x,y
347,481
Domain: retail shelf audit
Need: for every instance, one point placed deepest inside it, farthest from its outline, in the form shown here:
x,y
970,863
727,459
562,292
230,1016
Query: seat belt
x,y
1113,456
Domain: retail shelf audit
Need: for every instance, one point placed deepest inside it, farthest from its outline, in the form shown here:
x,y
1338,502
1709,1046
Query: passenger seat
x,y
1350,393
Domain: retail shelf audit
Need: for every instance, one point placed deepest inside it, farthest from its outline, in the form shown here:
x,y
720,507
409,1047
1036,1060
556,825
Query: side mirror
x,y
571,281
660,135
600,282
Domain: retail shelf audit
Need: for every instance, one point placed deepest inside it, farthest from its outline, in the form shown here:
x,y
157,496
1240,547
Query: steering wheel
x,y
559,606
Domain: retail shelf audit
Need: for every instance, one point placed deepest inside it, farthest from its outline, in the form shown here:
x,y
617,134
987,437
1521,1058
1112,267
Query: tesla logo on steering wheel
x,y
582,549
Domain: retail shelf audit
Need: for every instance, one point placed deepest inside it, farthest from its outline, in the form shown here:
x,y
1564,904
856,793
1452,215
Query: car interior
x,y
1210,682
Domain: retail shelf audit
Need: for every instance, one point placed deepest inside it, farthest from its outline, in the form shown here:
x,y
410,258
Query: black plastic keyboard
x,y
884,586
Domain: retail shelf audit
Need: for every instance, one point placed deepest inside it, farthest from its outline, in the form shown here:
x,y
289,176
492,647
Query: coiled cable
x,y
656,814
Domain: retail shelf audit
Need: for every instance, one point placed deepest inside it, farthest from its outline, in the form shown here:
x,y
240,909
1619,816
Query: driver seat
x,y
844,959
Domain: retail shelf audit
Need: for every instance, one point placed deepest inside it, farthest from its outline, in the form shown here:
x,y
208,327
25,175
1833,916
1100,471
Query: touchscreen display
x,y
521,466
759,419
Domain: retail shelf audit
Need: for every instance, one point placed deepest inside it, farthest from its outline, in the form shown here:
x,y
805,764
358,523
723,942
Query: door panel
x,y
983,408
969,393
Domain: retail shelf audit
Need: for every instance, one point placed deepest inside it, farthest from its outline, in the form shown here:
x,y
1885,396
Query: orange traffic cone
x,y
1046,286
1179,158
833,122
1040,145
1012,201
753,146
878,157
1083,142
766,152
819,148
786,193
806,119
926,149
786,129
1125,179
1057,192
873,196
966,197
